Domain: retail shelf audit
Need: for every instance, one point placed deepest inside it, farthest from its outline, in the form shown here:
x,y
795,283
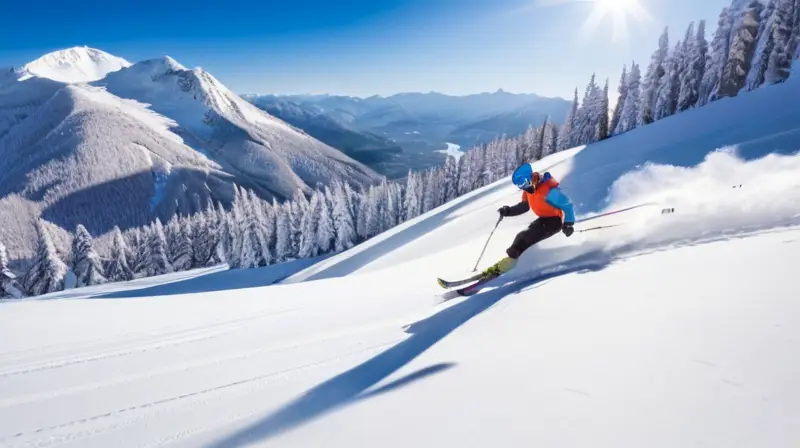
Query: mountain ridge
x,y
145,141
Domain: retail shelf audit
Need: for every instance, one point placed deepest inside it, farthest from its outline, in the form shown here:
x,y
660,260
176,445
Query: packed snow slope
x,y
88,138
676,329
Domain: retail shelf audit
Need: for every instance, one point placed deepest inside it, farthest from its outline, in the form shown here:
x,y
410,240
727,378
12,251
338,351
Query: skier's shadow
x,y
352,386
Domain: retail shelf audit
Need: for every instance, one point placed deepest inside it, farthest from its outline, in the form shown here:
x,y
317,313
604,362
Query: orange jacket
x,y
538,200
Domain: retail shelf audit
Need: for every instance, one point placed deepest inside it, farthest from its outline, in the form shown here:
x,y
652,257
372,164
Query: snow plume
x,y
722,197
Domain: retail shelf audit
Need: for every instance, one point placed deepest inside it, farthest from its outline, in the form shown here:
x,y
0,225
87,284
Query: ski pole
x,y
487,244
598,228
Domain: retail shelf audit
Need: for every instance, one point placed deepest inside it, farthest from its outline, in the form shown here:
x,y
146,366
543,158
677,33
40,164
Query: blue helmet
x,y
523,177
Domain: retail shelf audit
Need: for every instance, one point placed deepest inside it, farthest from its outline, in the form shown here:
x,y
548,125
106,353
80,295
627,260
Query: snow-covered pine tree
x,y
283,233
47,273
308,228
222,232
201,237
412,205
393,201
251,248
183,255
588,114
118,268
717,59
157,260
9,287
566,136
691,77
262,214
172,231
764,44
667,100
742,47
86,263
342,220
372,220
550,139
236,225
651,83
622,89
432,189
780,59
603,115
138,254
792,46
326,233
299,206
630,110
450,186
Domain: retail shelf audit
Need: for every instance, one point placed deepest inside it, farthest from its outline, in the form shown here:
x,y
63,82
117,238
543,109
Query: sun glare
x,y
615,6
619,12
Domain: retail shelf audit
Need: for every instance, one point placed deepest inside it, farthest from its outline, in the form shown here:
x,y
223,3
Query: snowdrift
x,y
675,329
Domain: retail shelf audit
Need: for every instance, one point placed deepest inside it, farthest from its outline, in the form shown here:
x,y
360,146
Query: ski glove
x,y
568,229
504,210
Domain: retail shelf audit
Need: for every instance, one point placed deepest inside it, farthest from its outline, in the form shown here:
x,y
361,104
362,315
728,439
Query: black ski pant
x,y
540,229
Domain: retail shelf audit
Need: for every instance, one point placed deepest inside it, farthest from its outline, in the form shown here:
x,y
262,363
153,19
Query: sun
x,y
616,6
620,12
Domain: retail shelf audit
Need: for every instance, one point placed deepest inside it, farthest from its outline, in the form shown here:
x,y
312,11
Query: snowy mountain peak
x,y
74,65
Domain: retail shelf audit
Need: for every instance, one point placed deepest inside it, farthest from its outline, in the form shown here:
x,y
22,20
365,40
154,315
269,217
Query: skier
x,y
541,195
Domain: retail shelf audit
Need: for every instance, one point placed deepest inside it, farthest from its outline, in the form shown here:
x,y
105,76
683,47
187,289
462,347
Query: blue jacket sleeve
x,y
558,199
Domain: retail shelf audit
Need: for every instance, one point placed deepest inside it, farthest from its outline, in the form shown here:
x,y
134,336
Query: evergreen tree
x,y
9,288
566,137
299,206
118,269
251,245
651,83
283,233
86,262
342,220
222,232
412,204
780,56
203,237
326,233
667,101
602,119
138,252
308,226
741,51
47,273
717,60
622,89
589,114
183,252
630,110
763,49
692,76
157,260
450,186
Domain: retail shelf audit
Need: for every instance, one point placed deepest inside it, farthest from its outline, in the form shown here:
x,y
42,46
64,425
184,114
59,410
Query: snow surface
x,y
74,65
676,329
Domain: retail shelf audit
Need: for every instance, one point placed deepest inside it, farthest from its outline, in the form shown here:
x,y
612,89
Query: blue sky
x,y
357,47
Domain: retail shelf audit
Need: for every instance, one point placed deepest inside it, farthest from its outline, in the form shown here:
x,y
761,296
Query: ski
x,y
452,284
475,287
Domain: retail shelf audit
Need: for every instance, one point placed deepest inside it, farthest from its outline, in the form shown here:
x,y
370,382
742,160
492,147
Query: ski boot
x,y
499,268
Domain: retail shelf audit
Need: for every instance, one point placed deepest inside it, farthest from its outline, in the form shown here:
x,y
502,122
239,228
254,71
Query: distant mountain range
x,y
395,133
87,137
